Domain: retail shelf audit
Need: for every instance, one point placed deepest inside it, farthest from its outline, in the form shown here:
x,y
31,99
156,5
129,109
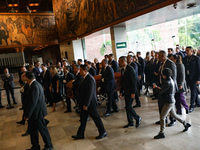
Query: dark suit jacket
x,y
68,78
109,80
135,67
167,91
76,85
37,74
87,92
36,104
92,71
142,63
128,81
25,97
171,65
114,65
8,81
193,67
46,78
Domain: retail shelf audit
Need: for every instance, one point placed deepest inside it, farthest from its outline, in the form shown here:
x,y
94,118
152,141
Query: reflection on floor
x,y
62,126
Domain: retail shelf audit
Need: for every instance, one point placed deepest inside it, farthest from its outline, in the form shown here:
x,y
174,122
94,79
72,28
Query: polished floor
x,y
62,126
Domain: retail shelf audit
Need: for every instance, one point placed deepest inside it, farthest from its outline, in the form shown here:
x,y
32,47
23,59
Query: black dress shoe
x,y
128,125
154,98
14,102
21,122
113,111
197,105
107,114
67,111
138,122
159,136
21,108
187,127
157,122
76,137
191,109
1,106
48,148
34,148
137,105
9,107
26,133
101,136
172,123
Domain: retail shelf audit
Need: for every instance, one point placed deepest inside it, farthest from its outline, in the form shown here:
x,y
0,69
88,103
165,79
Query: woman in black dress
x,y
54,88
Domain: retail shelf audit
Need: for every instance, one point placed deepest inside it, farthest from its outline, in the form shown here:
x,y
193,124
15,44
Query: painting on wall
x,y
27,29
75,18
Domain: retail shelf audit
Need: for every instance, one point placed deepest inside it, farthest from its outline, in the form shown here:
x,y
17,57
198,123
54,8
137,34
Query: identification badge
x,y
188,72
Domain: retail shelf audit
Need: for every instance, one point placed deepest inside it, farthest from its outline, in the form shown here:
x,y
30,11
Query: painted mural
x,y
78,17
27,29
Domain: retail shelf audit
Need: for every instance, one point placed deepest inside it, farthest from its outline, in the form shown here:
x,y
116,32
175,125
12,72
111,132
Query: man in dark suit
x,y
166,63
115,66
178,52
46,77
88,104
192,71
129,89
9,87
142,63
113,63
92,71
37,72
35,112
135,67
76,85
108,86
68,76
1,106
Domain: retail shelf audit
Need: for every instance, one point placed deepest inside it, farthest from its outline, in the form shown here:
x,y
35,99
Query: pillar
x,y
119,41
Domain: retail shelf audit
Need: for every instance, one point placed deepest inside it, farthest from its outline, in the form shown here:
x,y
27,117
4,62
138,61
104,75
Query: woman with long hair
x,y
54,88
179,96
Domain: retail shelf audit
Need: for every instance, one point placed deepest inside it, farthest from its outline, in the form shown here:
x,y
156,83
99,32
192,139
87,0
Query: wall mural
x,y
78,17
27,29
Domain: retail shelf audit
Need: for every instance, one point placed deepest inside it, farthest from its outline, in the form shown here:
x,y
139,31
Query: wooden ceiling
x,y
19,5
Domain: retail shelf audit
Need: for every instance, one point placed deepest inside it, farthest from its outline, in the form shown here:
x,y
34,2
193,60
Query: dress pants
x,y
129,109
194,94
111,102
8,91
68,101
92,111
39,125
137,99
168,108
180,99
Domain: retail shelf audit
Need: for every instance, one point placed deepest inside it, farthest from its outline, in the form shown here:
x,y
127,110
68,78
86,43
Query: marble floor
x,y
62,126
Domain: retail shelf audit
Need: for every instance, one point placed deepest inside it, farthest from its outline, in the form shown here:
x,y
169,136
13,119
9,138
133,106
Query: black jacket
x,y
108,79
142,63
36,104
114,65
8,81
135,67
128,81
93,71
24,91
192,68
167,91
76,85
87,92
37,74
46,78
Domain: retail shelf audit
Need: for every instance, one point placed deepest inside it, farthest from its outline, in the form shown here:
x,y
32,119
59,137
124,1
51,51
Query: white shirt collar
x,y
31,82
85,75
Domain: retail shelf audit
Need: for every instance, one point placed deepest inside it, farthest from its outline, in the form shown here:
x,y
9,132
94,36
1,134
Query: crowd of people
x,y
169,75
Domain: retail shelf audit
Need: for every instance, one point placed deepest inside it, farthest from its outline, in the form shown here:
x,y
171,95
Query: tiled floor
x,y
62,126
